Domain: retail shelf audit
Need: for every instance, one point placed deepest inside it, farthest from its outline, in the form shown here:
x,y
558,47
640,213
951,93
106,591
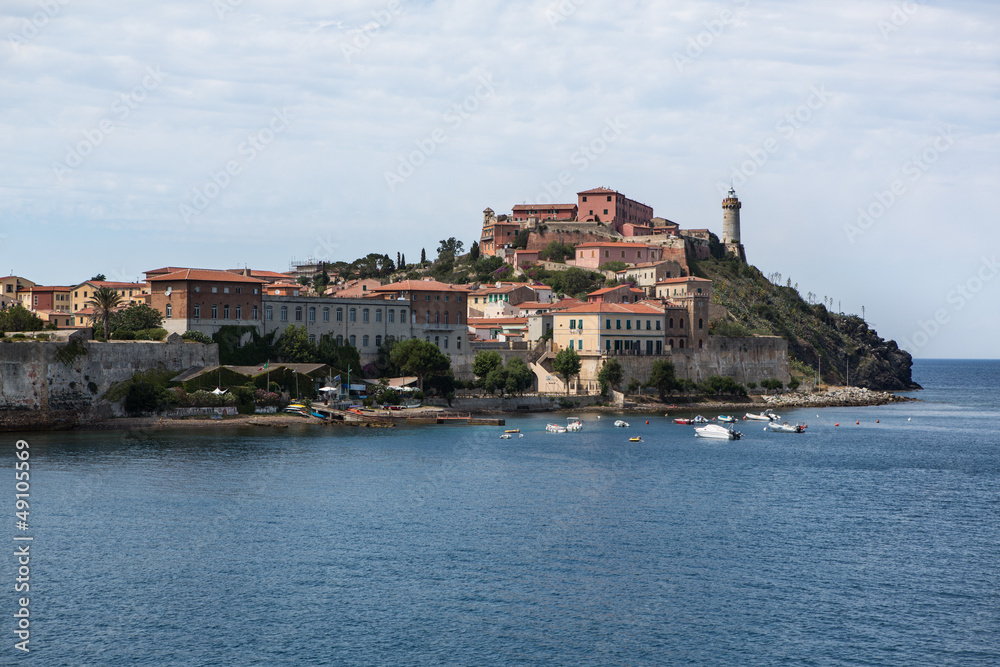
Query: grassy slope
x,y
812,332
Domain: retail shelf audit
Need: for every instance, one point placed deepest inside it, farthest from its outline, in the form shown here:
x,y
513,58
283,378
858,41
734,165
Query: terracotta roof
x,y
598,191
485,321
106,283
523,207
46,288
420,286
621,244
646,265
566,303
626,308
205,275
605,290
528,305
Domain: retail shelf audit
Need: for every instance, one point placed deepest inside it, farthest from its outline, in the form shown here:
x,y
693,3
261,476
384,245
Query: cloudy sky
x,y
861,136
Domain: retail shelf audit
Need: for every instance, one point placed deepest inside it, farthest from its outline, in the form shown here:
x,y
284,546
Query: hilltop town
x,y
603,277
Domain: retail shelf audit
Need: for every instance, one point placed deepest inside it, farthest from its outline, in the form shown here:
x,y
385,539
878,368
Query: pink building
x,y
592,255
612,208
544,212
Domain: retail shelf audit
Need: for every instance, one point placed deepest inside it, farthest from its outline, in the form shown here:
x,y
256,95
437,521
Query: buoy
x,y
907,419
647,421
876,421
837,424
858,422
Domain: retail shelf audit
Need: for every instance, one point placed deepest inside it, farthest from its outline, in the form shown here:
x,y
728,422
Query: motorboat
x,y
555,428
635,439
716,432
686,422
513,430
726,419
766,416
505,436
621,423
785,427
574,424
699,420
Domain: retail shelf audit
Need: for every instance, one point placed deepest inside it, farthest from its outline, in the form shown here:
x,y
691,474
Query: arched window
x,y
437,340
701,323
681,325
364,341
340,314
446,322
364,315
458,318
353,339
446,342
671,323
352,315
378,314
701,344
340,339
170,310
437,317
681,344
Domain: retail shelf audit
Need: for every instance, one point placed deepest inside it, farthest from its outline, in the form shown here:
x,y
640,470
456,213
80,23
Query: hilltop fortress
x,y
603,215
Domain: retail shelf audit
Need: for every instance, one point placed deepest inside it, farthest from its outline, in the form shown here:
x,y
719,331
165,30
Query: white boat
x,y
505,436
621,423
716,432
574,424
785,428
555,428
766,416
726,419
699,420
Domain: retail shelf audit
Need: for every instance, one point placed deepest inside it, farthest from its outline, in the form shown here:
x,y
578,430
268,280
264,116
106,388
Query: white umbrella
x,y
219,392
328,389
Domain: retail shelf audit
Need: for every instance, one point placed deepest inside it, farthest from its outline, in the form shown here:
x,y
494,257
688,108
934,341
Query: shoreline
x,y
832,398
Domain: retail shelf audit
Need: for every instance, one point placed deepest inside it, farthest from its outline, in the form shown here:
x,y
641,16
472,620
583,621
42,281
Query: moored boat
x,y
766,416
716,432
683,421
785,427
726,419
621,423
635,439
574,424
699,420
555,428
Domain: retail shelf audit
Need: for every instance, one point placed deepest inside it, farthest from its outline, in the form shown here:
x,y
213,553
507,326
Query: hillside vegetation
x,y
758,306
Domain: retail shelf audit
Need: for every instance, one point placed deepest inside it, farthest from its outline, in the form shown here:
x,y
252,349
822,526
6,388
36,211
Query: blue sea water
x,y
870,543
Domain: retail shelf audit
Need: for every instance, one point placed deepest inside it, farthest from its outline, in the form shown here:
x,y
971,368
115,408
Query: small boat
x,y
574,424
555,428
686,422
635,439
785,428
513,430
699,420
621,423
726,419
716,432
505,436
766,416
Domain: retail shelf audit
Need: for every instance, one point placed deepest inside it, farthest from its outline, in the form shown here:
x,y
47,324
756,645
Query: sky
x,y
860,136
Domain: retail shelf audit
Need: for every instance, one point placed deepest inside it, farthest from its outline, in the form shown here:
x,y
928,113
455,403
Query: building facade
x,y
612,208
595,254
205,300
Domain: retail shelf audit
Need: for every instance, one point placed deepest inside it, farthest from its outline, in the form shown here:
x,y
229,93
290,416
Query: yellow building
x,y
129,292
610,328
9,287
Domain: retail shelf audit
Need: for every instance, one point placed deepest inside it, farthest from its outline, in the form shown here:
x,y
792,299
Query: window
x,y
239,312
701,344
255,290
571,341
225,312
268,313
458,342
579,344
609,199
352,315
215,290
458,298
170,310
605,211
364,341
572,324
392,316
428,298
446,342
225,290
671,325
681,345
618,324
239,290
446,296
584,197
378,341
427,319
364,315
657,325
458,318
215,311
197,310
607,324
284,313
312,313
312,338
437,317
378,314
326,314
701,323
256,313
340,339
197,288
298,313
437,340
353,340
681,325
628,324
446,317
340,314
437,297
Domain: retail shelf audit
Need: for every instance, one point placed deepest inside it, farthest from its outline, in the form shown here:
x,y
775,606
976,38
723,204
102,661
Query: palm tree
x,y
105,301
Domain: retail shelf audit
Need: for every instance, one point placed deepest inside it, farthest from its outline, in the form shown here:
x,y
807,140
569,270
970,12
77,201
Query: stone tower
x,y
731,225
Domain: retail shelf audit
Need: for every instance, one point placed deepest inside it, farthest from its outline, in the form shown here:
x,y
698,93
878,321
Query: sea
x,y
873,538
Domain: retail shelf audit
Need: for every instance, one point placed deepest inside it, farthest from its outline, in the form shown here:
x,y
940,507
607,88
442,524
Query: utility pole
x,y
847,360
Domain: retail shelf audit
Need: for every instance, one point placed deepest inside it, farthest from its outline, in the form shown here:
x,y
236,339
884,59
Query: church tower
x,y
731,225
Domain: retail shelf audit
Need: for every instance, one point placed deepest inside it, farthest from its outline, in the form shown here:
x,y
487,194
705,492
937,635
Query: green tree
x,y
611,375
294,347
474,251
718,385
662,377
566,364
99,278
136,317
557,252
336,355
421,358
485,362
423,257
496,379
196,336
384,366
771,384
450,248
617,265
19,318
105,302
519,376
521,239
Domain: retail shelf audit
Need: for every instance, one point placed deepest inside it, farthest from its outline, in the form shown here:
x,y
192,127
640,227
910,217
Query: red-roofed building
x,y
497,233
613,209
47,297
129,292
544,212
595,254
204,299
267,276
501,329
617,294
437,312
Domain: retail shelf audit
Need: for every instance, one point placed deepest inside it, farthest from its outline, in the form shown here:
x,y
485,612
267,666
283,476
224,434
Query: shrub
x,y
142,398
196,337
123,334
18,336
42,336
156,333
793,384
